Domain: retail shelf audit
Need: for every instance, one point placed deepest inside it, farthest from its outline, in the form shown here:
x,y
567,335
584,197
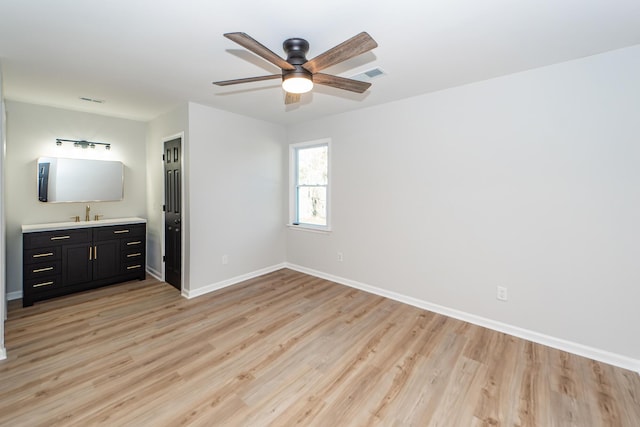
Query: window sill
x,y
309,229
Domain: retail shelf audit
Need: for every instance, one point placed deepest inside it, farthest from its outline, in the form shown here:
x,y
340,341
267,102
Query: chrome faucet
x,y
87,217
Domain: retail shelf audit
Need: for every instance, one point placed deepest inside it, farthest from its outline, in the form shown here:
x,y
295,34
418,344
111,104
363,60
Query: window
x,y
309,198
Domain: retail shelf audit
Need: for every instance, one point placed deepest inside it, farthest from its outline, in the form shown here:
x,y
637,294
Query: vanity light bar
x,y
83,143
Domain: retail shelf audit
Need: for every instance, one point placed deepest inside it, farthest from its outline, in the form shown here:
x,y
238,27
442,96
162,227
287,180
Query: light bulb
x,y
297,85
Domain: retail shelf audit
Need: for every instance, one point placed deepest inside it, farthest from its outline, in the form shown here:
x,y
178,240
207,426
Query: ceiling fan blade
x,y
291,98
340,82
256,47
247,80
348,49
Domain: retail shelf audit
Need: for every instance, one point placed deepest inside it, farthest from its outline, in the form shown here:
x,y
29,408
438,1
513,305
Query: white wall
x,y
169,124
3,293
529,181
235,195
31,133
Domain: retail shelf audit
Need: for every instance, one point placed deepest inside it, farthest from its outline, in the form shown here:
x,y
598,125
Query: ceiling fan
x,y
298,73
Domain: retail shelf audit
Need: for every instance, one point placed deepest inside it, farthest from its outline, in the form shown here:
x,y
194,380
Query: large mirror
x,y
79,180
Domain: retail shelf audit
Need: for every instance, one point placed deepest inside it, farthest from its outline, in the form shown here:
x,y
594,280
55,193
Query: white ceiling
x,y
145,57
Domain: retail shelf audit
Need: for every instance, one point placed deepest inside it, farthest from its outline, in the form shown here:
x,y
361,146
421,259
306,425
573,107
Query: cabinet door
x,y
106,262
76,263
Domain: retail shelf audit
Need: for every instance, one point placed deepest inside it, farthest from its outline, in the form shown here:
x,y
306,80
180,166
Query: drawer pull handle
x,y
120,231
42,284
40,270
131,267
137,242
132,255
60,237
41,255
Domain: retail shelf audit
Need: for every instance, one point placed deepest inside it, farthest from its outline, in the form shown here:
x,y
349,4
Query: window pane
x,y
312,165
312,205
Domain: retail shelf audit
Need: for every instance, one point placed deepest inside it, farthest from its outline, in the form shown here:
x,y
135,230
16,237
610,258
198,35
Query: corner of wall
x,y
171,123
3,290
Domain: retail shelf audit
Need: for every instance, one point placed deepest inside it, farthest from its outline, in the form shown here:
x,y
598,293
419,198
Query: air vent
x,y
369,74
97,101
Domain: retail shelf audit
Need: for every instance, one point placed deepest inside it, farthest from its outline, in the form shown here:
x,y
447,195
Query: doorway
x,y
173,212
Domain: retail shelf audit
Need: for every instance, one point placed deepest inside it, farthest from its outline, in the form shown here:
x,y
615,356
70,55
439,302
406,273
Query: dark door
x,y
172,217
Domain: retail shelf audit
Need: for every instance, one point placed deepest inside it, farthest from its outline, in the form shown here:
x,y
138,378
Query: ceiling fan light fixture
x,y
297,84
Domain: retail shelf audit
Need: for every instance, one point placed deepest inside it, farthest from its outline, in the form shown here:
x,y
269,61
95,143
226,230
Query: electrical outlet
x,y
340,257
501,293
225,259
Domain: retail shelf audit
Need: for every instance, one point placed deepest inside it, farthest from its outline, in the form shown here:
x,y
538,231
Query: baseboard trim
x,y
3,353
557,343
232,281
14,295
156,274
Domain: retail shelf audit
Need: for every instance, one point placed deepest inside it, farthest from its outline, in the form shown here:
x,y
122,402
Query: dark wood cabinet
x,y
76,263
107,259
65,261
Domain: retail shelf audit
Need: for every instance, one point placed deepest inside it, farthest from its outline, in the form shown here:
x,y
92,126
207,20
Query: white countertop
x,y
51,226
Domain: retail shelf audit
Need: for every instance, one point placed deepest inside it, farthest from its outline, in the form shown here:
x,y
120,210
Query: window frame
x,y
293,185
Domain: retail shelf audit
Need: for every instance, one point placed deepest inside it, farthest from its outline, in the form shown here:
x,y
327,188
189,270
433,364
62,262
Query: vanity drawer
x,y
120,232
43,284
42,269
133,244
133,266
56,238
132,238
32,256
134,256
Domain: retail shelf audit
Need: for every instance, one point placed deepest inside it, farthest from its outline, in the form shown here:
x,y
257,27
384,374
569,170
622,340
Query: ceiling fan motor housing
x,y
296,50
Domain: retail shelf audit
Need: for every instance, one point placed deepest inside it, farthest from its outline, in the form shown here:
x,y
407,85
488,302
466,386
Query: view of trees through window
x,y
311,185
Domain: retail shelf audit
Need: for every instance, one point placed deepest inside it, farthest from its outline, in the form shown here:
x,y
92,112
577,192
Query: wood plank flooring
x,y
288,349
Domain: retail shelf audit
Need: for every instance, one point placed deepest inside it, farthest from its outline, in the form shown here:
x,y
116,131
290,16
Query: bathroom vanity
x,y
69,257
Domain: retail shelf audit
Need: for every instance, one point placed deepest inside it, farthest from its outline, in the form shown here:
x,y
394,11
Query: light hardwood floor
x,y
288,349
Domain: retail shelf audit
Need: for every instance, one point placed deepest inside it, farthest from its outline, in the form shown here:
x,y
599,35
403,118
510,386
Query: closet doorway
x,y
173,212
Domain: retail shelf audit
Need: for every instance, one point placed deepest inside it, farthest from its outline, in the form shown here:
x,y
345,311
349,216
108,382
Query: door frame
x,y
183,221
